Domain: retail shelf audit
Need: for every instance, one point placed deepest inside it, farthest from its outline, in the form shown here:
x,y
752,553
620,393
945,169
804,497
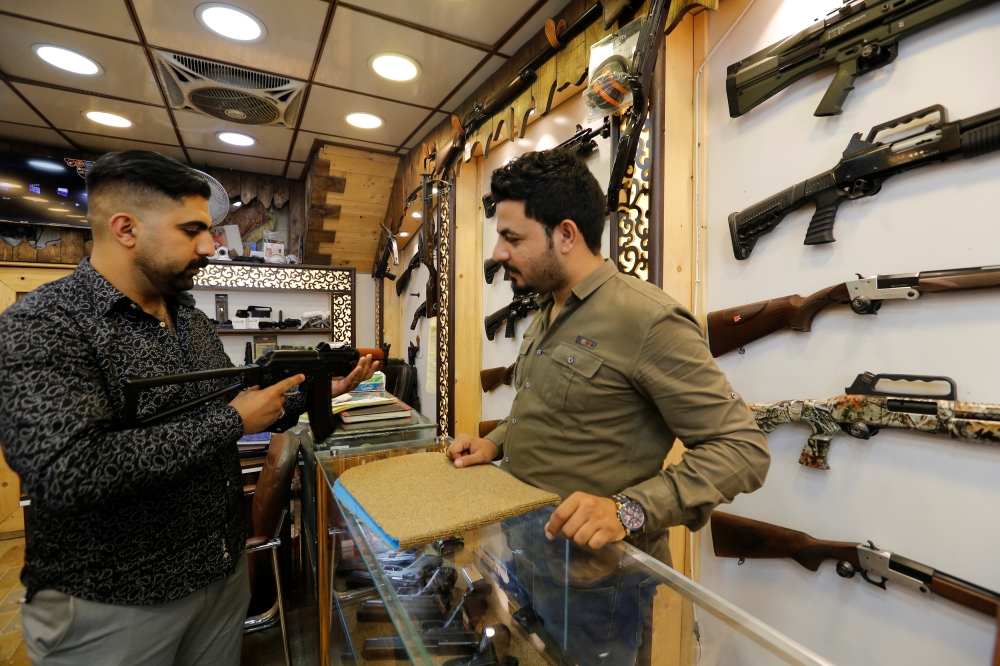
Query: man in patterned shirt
x,y
137,551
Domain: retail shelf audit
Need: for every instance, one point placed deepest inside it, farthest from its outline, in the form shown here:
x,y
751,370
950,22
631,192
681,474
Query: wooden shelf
x,y
272,331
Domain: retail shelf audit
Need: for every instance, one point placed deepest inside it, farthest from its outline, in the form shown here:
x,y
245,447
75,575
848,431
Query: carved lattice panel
x,y
630,234
444,323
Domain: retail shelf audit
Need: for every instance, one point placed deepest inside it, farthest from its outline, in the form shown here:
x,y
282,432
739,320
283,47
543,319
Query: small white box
x,y
252,322
240,322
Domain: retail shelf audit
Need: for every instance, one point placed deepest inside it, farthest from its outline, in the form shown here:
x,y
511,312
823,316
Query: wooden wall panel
x,y
468,294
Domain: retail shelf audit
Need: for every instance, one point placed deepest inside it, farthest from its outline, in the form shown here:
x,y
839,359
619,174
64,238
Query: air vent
x,y
230,93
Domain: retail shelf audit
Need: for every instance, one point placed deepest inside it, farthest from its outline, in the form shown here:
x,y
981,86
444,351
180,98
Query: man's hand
x,y
586,519
363,372
467,450
259,408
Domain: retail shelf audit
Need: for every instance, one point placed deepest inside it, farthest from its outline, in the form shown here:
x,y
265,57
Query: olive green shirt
x,y
605,390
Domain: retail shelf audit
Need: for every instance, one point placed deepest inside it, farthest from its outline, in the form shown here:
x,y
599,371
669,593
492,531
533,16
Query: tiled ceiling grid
x,y
327,45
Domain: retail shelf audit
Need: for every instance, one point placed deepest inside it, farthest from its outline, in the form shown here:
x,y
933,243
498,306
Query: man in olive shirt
x,y
611,371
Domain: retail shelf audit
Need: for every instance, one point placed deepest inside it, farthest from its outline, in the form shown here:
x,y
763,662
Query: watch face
x,y
632,516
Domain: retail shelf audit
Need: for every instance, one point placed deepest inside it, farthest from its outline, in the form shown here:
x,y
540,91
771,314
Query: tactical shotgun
x,y
918,139
731,329
518,309
858,38
864,410
744,538
319,367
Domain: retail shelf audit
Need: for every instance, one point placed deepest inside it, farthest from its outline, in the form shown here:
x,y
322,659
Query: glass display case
x,y
505,595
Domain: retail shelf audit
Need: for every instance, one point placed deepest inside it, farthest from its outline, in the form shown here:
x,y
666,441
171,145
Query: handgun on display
x,y
431,602
401,573
909,142
319,366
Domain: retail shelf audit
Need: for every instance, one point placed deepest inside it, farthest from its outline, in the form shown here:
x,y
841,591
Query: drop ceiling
x,y
457,44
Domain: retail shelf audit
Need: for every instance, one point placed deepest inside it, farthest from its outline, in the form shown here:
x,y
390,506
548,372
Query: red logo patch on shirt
x,y
589,344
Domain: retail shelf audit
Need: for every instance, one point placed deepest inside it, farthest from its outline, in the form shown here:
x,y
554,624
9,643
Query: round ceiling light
x,y
37,199
230,22
62,58
109,119
46,166
404,234
236,139
364,120
394,66
417,214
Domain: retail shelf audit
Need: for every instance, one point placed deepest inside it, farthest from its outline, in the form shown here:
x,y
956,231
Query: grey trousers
x,y
202,629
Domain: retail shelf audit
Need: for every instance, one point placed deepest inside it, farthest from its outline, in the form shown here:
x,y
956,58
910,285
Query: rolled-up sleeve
x,y
726,452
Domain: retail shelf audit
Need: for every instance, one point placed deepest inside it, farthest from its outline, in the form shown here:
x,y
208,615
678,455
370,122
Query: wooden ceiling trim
x,y
68,27
372,95
324,33
6,81
419,28
53,86
152,68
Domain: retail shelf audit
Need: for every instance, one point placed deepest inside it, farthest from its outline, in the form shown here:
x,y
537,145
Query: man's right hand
x,y
467,450
259,408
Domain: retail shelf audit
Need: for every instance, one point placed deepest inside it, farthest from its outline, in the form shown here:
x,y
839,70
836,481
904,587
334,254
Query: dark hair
x,y
146,175
555,185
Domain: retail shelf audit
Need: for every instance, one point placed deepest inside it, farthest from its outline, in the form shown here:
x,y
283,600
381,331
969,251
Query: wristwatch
x,y
630,513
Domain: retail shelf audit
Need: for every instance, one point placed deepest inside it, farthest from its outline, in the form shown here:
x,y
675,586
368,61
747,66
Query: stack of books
x,y
387,414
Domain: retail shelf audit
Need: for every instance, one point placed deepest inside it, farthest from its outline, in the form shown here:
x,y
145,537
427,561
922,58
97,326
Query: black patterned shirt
x,y
122,516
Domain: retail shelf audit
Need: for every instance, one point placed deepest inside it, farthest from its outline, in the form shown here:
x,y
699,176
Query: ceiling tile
x,y
66,111
199,131
296,170
533,26
108,17
126,70
424,129
293,32
304,144
13,109
355,38
238,162
326,109
29,134
103,144
483,21
470,86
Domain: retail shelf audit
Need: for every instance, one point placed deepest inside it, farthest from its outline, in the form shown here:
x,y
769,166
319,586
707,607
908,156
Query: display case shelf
x,y
272,331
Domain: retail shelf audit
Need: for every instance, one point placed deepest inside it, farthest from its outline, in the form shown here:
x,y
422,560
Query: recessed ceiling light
x,y
417,214
37,199
5,185
109,119
231,22
82,217
59,210
62,58
404,234
394,66
364,120
47,166
236,204
236,139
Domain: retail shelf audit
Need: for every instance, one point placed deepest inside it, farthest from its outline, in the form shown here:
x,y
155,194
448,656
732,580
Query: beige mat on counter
x,y
413,500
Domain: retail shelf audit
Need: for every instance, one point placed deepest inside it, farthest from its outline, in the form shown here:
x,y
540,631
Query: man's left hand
x,y
364,371
586,519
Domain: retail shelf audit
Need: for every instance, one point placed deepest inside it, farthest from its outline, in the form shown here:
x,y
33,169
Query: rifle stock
x,y
491,378
731,329
734,536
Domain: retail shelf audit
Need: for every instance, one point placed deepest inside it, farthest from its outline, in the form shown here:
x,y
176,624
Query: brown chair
x,y
267,517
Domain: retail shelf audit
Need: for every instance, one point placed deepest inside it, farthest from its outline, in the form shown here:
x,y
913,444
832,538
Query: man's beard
x,y
166,279
542,276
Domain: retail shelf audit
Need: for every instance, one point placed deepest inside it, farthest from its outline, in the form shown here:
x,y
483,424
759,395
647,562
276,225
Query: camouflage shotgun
x,y
733,536
858,38
915,140
864,410
731,329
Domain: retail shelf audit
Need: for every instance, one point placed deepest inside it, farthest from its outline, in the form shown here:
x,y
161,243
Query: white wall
x,y
543,134
925,497
412,298
364,312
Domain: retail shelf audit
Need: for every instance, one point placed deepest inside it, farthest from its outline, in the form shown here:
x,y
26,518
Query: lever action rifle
x,y
518,309
864,410
919,139
744,538
319,366
731,329
858,38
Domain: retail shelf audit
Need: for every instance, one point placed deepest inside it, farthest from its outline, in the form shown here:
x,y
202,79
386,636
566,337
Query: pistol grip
x,y
320,413
832,103
511,330
821,226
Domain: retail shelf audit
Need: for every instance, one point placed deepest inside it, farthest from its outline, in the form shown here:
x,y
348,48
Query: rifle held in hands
x,y
738,326
864,410
857,38
319,366
744,538
918,139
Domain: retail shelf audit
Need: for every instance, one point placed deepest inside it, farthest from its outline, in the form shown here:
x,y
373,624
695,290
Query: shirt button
x,y
228,483
733,395
163,324
570,360
506,459
514,421
527,385
134,306
539,352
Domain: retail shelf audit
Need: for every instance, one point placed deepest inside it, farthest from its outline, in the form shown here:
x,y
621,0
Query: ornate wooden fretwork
x,y
379,300
445,375
630,224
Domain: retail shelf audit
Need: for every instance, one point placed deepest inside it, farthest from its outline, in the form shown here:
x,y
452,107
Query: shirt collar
x,y
598,277
106,296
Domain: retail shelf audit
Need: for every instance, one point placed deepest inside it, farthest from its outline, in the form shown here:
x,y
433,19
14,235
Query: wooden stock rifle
x,y
491,378
864,410
744,538
731,329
